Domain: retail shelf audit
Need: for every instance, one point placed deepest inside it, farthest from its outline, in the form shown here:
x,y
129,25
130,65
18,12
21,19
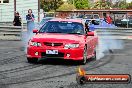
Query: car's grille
x,y
52,44
59,55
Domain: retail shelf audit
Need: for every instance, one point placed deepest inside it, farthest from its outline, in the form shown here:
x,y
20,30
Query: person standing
x,y
108,19
30,21
17,20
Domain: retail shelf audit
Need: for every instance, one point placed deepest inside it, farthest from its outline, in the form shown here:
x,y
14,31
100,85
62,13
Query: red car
x,y
62,39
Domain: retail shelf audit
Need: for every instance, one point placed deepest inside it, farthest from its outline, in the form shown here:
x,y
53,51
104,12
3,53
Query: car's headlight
x,y
67,46
35,44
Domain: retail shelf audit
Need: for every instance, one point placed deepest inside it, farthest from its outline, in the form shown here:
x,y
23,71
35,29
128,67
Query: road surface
x,y
16,72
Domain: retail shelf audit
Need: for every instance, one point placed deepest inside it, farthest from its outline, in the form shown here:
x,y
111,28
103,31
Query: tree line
x,y
53,5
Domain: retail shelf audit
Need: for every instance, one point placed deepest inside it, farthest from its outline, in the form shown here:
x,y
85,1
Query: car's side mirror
x,y
35,31
90,33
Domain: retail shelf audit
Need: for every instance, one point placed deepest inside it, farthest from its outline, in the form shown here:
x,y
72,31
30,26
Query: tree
x,y
129,6
66,7
80,4
120,4
48,5
101,5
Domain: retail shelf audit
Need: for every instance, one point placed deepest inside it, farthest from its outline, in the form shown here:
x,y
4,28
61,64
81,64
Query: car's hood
x,y
54,37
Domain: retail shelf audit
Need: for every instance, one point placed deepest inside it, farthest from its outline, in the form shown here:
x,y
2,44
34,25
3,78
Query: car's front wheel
x,y
32,60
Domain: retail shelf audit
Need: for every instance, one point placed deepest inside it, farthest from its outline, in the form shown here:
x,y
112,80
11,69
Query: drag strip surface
x,y
15,72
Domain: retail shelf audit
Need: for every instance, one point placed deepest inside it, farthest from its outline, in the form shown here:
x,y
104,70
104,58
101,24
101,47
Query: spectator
x,y
108,19
17,20
30,21
105,18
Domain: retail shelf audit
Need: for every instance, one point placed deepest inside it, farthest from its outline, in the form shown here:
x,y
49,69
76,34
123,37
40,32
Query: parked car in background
x,y
90,17
95,24
125,21
43,21
130,20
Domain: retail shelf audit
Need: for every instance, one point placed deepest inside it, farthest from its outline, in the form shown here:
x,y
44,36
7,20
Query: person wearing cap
x,y
17,20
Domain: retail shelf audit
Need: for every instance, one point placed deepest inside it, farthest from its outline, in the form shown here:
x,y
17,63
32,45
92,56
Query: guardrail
x,y
10,24
15,32
10,33
114,31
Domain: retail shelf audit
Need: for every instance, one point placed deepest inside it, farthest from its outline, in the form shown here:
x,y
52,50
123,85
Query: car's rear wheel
x,y
84,61
94,57
32,60
96,51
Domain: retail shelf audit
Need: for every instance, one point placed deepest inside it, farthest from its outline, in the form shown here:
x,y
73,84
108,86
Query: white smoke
x,y
26,36
107,44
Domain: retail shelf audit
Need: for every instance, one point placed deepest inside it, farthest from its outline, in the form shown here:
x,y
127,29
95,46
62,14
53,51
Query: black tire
x,y
32,60
94,57
84,61
96,51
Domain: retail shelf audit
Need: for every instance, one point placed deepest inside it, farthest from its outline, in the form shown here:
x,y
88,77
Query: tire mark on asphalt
x,y
4,77
57,68
20,68
7,51
37,71
96,65
11,60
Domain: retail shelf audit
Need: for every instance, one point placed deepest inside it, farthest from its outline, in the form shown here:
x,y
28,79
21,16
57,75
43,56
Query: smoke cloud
x,y
108,44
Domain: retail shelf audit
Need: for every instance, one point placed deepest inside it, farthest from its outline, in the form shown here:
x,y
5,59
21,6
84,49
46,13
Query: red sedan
x,y
62,39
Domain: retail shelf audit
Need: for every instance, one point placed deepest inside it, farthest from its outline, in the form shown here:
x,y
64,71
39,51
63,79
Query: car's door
x,y
89,40
91,44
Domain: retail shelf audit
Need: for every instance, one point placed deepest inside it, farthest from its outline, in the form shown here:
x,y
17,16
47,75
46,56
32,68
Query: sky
x,y
129,0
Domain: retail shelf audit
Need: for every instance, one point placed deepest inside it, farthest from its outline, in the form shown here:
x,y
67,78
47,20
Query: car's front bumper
x,y
73,54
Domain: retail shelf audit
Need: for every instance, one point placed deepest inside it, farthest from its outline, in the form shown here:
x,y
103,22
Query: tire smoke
x,y
107,44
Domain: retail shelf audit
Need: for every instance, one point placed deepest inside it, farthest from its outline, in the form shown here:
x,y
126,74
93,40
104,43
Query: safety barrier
x,y
114,31
10,33
15,32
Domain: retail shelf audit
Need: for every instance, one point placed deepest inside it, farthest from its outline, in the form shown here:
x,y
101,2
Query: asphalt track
x,y
16,72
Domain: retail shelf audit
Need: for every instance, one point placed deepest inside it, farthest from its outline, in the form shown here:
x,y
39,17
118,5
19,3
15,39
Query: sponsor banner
x,y
83,78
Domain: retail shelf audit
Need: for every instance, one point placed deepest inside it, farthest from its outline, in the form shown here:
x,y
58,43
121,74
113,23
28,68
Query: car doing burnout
x,y
62,39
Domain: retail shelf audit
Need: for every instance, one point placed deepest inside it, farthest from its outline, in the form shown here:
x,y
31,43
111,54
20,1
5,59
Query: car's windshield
x,y
62,27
